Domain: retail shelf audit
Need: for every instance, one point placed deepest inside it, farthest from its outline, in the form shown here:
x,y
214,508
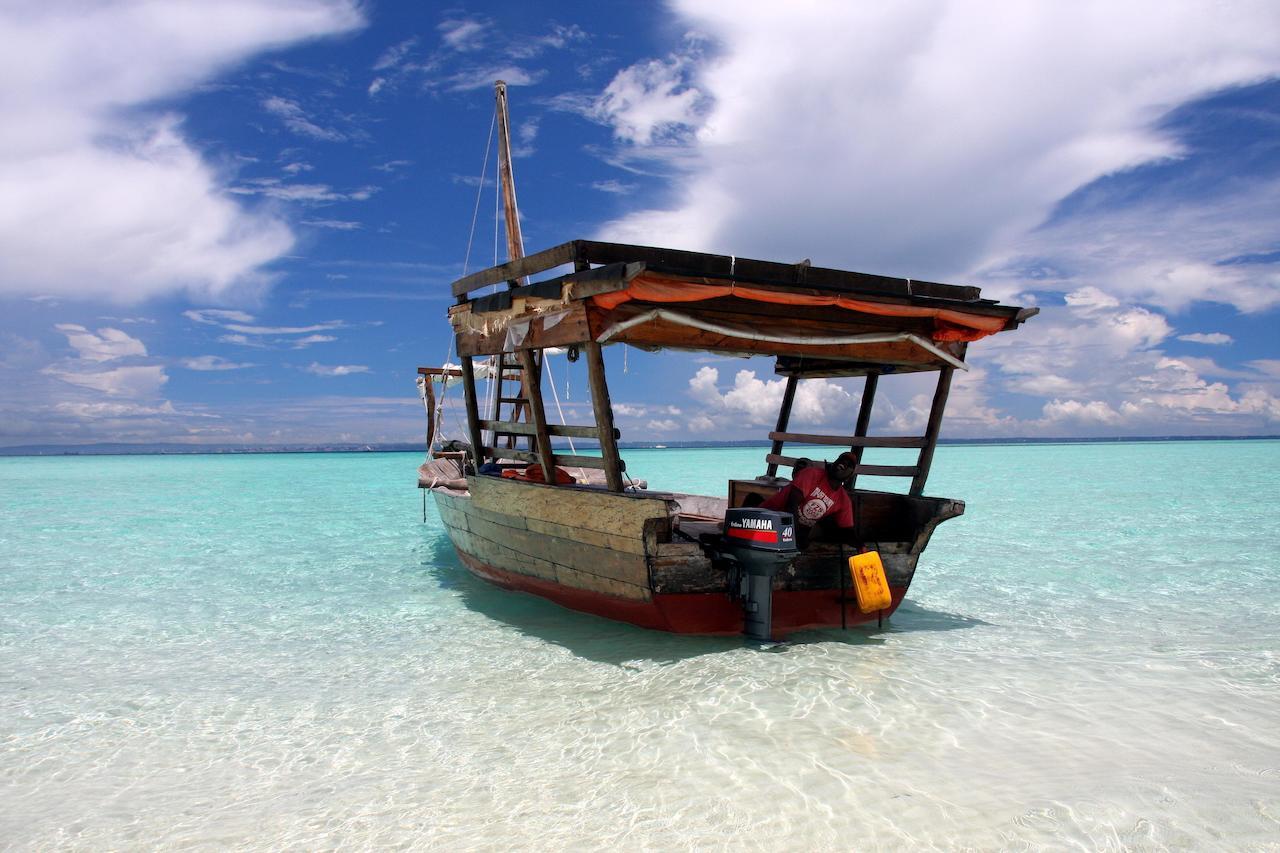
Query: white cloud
x,y
296,120
1268,366
752,401
274,188
107,345
1211,338
614,187
331,370
650,101
140,381
101,199
284,330
394,55
212,362
217,316
1181,261
463,34
96,411
560,37
303,343
928,138
1092,412
482,77
333,224
667,425
702,424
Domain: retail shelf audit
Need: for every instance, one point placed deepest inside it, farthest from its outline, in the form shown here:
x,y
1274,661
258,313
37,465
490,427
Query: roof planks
x,y
699,264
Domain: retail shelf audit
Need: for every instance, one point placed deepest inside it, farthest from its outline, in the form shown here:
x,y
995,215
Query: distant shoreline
x,y
230,450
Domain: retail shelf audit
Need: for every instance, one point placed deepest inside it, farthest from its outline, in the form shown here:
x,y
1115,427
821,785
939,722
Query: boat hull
x,y
612,556
705,613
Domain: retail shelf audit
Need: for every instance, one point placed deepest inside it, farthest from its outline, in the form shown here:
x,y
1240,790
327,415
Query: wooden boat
x,y
607,546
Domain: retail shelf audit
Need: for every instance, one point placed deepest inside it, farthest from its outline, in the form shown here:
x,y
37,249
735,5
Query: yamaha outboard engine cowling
x,y
759,543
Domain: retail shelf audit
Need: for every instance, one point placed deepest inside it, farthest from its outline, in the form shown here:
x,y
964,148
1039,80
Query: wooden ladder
x,y
519,402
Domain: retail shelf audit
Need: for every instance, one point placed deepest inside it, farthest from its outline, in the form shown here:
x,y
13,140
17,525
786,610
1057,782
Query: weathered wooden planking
x,y
571,329
620,565
685,574
575,579
590,537
530,547
592,509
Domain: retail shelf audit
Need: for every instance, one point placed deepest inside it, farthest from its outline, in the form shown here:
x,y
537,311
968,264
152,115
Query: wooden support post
x,y
784,417
931,433
541,438
604,416
473,410
430,390
864,420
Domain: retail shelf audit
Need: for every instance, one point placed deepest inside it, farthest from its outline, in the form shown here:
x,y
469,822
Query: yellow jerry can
x,y
869,582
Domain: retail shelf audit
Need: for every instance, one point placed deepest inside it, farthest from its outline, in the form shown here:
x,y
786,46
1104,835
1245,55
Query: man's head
x,y
842,469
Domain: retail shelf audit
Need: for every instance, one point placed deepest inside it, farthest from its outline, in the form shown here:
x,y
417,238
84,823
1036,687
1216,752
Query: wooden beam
x,y
429,387
853,441
887,470
604,416
572,329
864,421
784,418
439,371
541,438
583,253
473,410
869,470
554,429
512,270
931,432
568,460
748,269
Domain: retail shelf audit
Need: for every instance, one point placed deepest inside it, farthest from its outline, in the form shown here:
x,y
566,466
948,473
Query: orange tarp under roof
x,y
949,324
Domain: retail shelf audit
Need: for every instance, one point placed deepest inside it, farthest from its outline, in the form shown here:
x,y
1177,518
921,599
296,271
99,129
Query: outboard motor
x,y
757,544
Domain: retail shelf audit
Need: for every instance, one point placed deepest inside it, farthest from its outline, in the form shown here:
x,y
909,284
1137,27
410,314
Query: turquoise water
x,y
276,651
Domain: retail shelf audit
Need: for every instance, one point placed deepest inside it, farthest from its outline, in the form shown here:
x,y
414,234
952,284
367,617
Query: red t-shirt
x,y
816,499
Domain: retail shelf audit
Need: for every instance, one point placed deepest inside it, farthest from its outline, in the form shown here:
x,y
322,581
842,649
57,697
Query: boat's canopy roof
x,y
816,321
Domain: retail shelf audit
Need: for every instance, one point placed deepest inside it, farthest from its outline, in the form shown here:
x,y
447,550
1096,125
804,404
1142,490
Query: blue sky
x,y
237,222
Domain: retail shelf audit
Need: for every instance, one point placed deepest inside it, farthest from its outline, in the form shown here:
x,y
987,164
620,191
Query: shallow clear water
x,y
275,651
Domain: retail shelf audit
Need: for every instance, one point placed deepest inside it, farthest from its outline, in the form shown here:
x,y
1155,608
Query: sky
x,y
236,223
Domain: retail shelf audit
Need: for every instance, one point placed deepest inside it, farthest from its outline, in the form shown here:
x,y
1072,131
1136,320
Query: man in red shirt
x,y
817,492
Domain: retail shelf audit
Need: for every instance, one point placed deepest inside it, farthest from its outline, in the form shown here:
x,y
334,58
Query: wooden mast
x,y
515,252
506,175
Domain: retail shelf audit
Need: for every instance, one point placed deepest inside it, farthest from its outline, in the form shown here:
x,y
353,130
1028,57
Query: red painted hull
x,y
695,613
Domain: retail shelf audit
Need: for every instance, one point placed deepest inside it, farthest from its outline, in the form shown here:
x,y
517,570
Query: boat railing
x,y
860,441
